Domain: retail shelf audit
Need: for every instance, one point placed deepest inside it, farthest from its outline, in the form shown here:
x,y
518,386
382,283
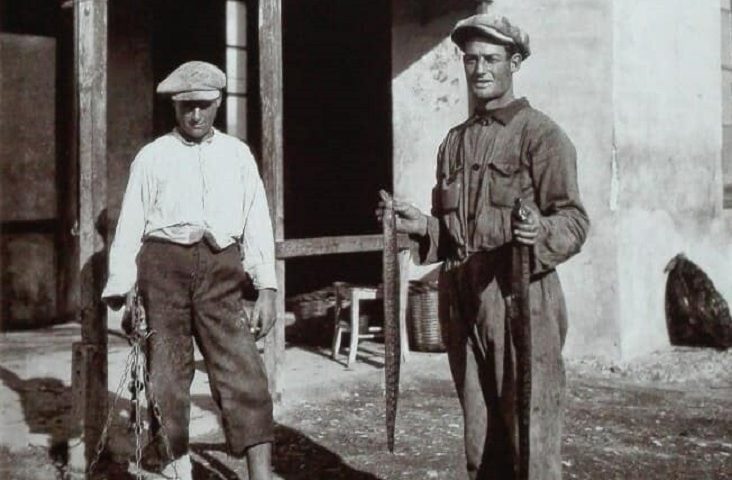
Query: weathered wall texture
x,y
27,179
428,97
668,136
636,85
27,130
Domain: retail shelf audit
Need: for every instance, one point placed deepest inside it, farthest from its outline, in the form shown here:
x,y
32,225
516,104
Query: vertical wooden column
x,y
67,168
90,355
270,86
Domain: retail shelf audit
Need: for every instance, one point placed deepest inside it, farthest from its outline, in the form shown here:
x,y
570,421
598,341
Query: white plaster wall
x,y
429,97
667,104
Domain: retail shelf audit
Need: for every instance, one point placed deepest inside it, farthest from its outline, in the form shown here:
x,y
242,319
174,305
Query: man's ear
x,y
515,62
218,102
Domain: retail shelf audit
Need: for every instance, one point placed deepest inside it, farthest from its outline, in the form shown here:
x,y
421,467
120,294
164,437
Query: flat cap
x,y
193,81
492,26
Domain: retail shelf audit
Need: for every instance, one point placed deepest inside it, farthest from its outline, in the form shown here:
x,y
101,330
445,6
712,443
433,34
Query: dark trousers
x,y
192,291
483,364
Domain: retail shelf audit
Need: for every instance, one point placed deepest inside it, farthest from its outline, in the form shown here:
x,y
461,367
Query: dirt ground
x,y
665,416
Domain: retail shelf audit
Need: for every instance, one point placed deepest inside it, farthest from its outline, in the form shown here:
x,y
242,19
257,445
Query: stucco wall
x,y
667,100
27,179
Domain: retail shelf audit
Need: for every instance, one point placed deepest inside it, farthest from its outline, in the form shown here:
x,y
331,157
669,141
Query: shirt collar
x,y
504,114
209,138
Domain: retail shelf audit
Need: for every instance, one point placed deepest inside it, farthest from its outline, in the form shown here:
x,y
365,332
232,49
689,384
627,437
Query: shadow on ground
x,y
295,456
614,428
46,404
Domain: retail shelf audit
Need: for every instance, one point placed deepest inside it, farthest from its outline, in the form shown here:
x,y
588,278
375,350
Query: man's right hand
x,y
409,219
118,301
128,301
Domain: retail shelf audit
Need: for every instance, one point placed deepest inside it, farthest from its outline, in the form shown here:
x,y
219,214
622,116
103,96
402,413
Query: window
x,y
727,101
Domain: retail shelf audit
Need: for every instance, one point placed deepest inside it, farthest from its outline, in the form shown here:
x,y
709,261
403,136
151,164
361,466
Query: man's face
x,y
195,117
488,69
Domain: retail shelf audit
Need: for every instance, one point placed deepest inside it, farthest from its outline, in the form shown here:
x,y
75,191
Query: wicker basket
x,y
312,305
423,323
313,317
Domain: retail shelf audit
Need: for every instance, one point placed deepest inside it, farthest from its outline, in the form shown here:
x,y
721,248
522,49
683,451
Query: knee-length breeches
x,y
194,292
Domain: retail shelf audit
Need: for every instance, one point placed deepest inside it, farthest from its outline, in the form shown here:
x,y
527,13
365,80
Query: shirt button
x,y
476,166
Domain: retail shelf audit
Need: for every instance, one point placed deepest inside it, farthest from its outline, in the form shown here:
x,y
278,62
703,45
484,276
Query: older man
x,y
504,151
194,222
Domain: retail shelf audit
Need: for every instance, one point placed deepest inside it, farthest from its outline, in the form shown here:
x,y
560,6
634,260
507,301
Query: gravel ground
x,y
663,416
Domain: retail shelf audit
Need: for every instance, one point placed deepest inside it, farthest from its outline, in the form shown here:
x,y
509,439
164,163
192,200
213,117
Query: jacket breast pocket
x,y
450,192
505,184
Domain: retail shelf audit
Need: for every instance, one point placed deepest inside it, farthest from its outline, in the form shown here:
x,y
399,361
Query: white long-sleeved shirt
x,y
182,191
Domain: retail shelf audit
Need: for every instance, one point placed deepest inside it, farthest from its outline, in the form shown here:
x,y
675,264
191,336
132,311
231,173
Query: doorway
x,y
337,131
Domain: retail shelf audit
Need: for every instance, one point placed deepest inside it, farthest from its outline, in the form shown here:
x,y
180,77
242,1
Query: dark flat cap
x,y
193,81
491,26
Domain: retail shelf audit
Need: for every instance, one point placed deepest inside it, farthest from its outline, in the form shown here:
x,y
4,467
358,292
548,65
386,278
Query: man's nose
x,y
481,66
196,114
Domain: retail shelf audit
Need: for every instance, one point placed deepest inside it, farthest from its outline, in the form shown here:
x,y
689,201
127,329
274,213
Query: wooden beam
x,y
19,227
67,168
304,247
90,355
270,88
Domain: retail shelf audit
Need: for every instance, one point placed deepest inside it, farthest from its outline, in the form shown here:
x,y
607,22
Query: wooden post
x,y
270,87
90,355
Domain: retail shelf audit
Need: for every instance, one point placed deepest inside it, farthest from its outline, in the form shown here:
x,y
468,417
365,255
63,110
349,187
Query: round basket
x,y
313,323
423,323
312,305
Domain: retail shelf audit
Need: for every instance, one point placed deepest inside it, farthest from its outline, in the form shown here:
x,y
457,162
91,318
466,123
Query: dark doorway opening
x,y
337,131
185,30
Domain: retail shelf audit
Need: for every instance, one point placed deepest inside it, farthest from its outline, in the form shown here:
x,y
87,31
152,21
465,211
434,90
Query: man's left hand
x,y
526,231
264,314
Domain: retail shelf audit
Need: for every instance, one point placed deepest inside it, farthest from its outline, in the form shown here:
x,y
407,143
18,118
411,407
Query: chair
x,y
353,295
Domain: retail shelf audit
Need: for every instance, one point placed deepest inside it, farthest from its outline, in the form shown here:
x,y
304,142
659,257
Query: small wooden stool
x,y
353,294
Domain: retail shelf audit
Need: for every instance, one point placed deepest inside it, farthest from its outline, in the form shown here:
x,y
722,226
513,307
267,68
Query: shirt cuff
x,y
263,276
118,285
425,248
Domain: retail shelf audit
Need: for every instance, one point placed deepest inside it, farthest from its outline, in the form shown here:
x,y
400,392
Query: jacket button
x,y
476,166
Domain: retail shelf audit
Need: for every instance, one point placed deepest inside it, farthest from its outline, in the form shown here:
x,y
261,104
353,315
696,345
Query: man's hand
x,y
118,301
526,231
264,314
129,303
409,219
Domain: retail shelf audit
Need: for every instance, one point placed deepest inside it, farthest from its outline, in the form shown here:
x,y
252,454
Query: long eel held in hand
x,y
391,321
519,311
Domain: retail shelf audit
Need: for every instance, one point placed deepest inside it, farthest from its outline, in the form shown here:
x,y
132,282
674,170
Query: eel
x,y
520,327
392,345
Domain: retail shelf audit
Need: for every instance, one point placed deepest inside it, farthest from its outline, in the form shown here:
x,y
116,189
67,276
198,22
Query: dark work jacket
x,y
483,165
